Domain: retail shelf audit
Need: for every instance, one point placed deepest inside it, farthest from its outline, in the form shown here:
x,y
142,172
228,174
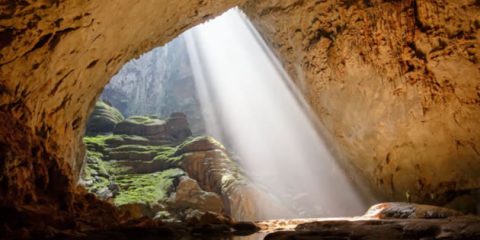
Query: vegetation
x,y
112,112
95,172
143,119
134,169
146,188
145,175
202,143
103,118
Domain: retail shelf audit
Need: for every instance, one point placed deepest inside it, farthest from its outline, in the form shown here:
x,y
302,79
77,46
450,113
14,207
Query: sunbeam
x,y
264,118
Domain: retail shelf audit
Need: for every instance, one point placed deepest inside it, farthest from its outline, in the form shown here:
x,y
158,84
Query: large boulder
x,y
141,126
409,210
103,118
199,144
177,127
206,160
119,140
189,195
174,129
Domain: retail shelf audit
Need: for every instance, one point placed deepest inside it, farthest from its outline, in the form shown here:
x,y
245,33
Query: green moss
x,y
117,168
103,118
113,112
116,140
147,174
201,143
145,120
96,172
146,188
98,140
187,142
92,153
166,155
131,155
164,151
159,150
99,183
132,147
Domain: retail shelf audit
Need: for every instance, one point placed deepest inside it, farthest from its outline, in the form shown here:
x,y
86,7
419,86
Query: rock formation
x,y
160,82
395,84
103,118
152,167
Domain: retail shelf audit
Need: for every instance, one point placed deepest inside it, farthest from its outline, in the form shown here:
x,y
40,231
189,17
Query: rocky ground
x,y
393,221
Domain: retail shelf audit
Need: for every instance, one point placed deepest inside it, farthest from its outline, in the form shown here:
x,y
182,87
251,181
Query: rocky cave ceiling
x,y
395,84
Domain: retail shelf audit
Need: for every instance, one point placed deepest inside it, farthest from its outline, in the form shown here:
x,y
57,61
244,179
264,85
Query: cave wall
x,y
55,58
395,83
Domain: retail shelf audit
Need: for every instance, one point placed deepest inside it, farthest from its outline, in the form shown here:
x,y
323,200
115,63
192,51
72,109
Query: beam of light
x,y
249,101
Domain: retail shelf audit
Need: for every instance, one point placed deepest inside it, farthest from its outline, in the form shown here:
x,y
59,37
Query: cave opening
x,y
211,122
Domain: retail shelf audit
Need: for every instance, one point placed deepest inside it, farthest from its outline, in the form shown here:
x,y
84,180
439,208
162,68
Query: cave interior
x,y
240,119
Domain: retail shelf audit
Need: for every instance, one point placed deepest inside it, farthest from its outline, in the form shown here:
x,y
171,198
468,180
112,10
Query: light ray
x,y
260,112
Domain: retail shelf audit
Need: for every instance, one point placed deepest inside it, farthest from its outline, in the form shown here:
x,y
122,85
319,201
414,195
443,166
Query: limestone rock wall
x,y
395,83
55,58
160,82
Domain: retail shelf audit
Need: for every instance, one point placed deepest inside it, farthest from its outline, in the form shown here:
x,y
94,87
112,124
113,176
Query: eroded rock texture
x,y
160,82
55,58
395,83
149,167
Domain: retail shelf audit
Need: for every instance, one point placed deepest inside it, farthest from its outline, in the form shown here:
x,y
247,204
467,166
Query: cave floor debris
x,y
463,227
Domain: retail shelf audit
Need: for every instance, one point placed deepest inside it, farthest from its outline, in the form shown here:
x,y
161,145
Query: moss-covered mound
x,y
131,168
103,118
137,163
146,188
199,144
141,125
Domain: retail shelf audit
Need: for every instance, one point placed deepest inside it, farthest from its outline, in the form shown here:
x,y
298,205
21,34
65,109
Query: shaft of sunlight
x,y
259,111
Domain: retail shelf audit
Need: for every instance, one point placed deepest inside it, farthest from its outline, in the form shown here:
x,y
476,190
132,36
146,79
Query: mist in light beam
x,y
250,102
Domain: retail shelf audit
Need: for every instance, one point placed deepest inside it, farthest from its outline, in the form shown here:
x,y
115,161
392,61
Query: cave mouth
x,y
211,122
411,62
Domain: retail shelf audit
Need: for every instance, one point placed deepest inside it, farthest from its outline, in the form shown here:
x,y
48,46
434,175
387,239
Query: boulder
x,y
197,217
130,155
137,210
409,210
141,126
177,127
189,195
199,144
103,118
118,140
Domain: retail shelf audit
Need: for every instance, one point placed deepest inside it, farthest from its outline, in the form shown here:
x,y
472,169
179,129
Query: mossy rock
x,y
131,147
146,188
141,126
103,119
130,155
163,160
178,128
199,144
118,140
95,173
